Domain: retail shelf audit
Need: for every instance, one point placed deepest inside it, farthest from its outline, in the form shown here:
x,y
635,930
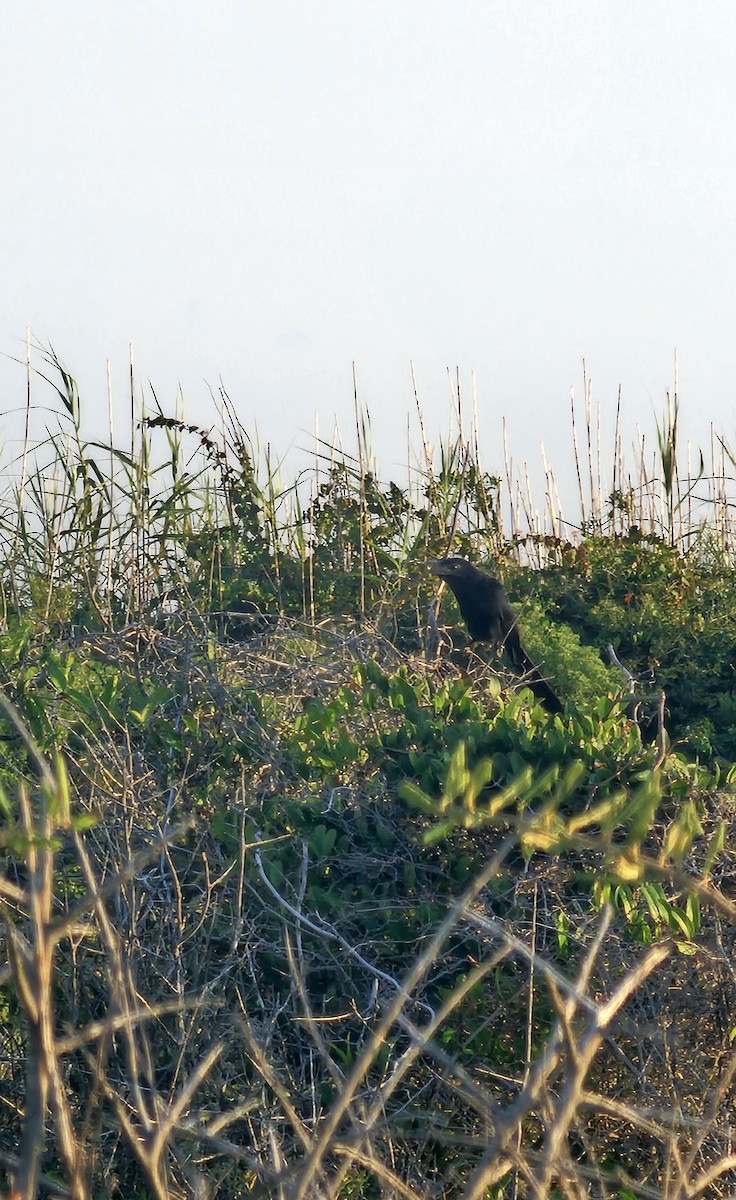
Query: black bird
x,y
489,617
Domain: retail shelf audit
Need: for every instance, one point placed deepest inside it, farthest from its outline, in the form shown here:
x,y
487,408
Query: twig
x,y
324,930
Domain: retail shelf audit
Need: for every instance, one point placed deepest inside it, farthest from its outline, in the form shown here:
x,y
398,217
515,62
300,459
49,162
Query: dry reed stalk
x,y
508,466
576,453
475,427
600,505
560,512
588,399
617,484
26,426
550,489
111,492
426,447
362,521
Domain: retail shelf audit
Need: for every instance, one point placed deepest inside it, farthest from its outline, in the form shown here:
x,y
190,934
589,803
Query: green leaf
x,y
322,841
682,833
715,845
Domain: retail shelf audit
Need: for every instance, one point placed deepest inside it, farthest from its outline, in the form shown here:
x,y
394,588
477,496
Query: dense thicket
x,y
302,896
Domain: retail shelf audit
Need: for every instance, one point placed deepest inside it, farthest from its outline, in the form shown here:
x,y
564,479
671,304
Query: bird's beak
x,y
437,566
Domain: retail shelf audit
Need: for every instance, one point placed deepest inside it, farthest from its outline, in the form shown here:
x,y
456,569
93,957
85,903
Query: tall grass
x,y
94,532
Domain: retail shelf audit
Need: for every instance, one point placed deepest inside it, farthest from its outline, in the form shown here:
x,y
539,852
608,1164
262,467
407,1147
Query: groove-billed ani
x,y
489,617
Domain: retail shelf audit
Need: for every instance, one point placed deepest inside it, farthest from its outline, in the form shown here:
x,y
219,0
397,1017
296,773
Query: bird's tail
x,y
533,678
544,692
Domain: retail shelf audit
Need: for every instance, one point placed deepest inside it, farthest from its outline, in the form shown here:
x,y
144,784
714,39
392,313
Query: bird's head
x,y
451,568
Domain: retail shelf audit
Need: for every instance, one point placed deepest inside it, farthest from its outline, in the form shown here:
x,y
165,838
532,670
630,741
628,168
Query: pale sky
x,y
266,192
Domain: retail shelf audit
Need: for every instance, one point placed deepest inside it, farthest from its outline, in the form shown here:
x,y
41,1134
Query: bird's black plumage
x,y
489,617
